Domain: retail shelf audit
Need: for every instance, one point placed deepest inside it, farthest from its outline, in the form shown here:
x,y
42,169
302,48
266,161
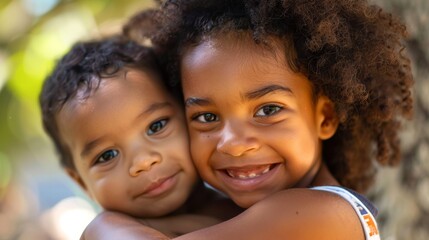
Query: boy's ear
x,y
326,117
76,177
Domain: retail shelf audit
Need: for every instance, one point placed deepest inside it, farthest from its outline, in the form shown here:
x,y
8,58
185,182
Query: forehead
x,y
115,100
121,87
241,42
233,65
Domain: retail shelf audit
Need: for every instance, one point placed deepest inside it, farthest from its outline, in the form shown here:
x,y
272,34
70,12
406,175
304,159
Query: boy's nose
x,y
144,162
236,140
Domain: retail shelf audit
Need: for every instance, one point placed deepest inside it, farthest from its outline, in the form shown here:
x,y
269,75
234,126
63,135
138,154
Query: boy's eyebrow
x,y
89,146
266,90
152,108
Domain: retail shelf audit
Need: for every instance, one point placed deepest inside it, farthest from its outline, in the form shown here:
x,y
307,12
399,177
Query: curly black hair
x,y
352,52
82,69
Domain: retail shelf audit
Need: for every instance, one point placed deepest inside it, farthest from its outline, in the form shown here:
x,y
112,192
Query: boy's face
x,y
255,127
129,145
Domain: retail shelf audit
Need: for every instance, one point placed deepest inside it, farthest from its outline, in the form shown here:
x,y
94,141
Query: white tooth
x,y
230,173
242,176
266,170
252,175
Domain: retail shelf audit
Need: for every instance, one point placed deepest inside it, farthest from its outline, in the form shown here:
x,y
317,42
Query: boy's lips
x,y
160,186
248,178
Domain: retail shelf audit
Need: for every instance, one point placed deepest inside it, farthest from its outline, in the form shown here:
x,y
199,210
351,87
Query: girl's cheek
x,y
201,143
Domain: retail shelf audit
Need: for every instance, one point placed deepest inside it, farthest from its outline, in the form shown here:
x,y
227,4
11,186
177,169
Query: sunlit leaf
x,y
28,73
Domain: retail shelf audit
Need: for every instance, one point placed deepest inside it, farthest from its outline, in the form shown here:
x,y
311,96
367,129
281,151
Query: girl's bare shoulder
x,y
305,213
299,213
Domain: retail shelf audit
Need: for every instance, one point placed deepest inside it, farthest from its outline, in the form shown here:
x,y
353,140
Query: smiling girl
x,y
291,107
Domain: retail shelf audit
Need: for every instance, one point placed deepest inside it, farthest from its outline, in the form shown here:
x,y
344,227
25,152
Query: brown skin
x,y
137,163
265,118
115,225
284,128
301,218
235,128
203,208
129,146
329,217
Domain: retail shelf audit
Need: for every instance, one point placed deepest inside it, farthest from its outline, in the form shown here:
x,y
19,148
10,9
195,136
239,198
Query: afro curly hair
x,y
352,52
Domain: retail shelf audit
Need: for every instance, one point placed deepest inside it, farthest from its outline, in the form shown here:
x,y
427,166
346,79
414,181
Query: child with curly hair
x,y
291,107
122,137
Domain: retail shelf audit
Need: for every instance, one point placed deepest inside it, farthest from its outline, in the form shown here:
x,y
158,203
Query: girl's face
x,y
130,146
254,124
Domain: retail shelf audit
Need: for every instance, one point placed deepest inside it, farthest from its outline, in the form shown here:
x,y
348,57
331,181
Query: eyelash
x,y
106,158
277,109
195,117
163,122
103,157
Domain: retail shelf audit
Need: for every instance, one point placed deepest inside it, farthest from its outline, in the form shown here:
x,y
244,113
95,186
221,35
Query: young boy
x,y
121,136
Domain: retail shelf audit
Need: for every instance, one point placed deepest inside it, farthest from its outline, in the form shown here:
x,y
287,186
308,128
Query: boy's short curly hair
x,y
351,51
82,69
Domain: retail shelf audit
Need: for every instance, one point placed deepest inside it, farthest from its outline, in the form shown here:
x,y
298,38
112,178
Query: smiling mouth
x,y
161,186
249,172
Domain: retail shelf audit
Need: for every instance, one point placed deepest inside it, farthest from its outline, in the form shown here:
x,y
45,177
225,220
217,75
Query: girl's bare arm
x,y
289,214
114,225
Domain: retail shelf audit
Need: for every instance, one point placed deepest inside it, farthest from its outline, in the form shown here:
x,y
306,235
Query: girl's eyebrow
x,y
258,93
194,101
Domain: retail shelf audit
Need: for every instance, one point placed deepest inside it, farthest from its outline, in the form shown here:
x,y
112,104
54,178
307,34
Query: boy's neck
x,y
208,202
199,196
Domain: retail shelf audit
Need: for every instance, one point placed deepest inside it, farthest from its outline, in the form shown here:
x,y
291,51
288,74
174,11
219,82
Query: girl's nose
x,y
144,162
236,140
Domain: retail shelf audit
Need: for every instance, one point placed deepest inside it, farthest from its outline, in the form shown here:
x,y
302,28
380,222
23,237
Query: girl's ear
x,y
326,118
76,177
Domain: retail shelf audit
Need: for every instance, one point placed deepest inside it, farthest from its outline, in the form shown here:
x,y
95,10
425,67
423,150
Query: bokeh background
x,y
37,199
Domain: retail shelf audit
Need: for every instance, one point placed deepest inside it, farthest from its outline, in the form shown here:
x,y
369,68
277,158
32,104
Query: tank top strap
x,y
366,216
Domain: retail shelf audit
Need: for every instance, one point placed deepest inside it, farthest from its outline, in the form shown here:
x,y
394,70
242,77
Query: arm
x,y
113,225
181,224
289,214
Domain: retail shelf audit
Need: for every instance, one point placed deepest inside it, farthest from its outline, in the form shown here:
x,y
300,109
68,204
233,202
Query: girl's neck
x,y
324,177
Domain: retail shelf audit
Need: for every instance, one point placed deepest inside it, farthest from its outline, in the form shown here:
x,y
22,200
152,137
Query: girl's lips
x,y
248,172
248,179
160,186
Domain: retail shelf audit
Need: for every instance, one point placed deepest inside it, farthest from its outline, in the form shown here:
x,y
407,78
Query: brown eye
x,y
268,110
156,126
107,156
206,117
